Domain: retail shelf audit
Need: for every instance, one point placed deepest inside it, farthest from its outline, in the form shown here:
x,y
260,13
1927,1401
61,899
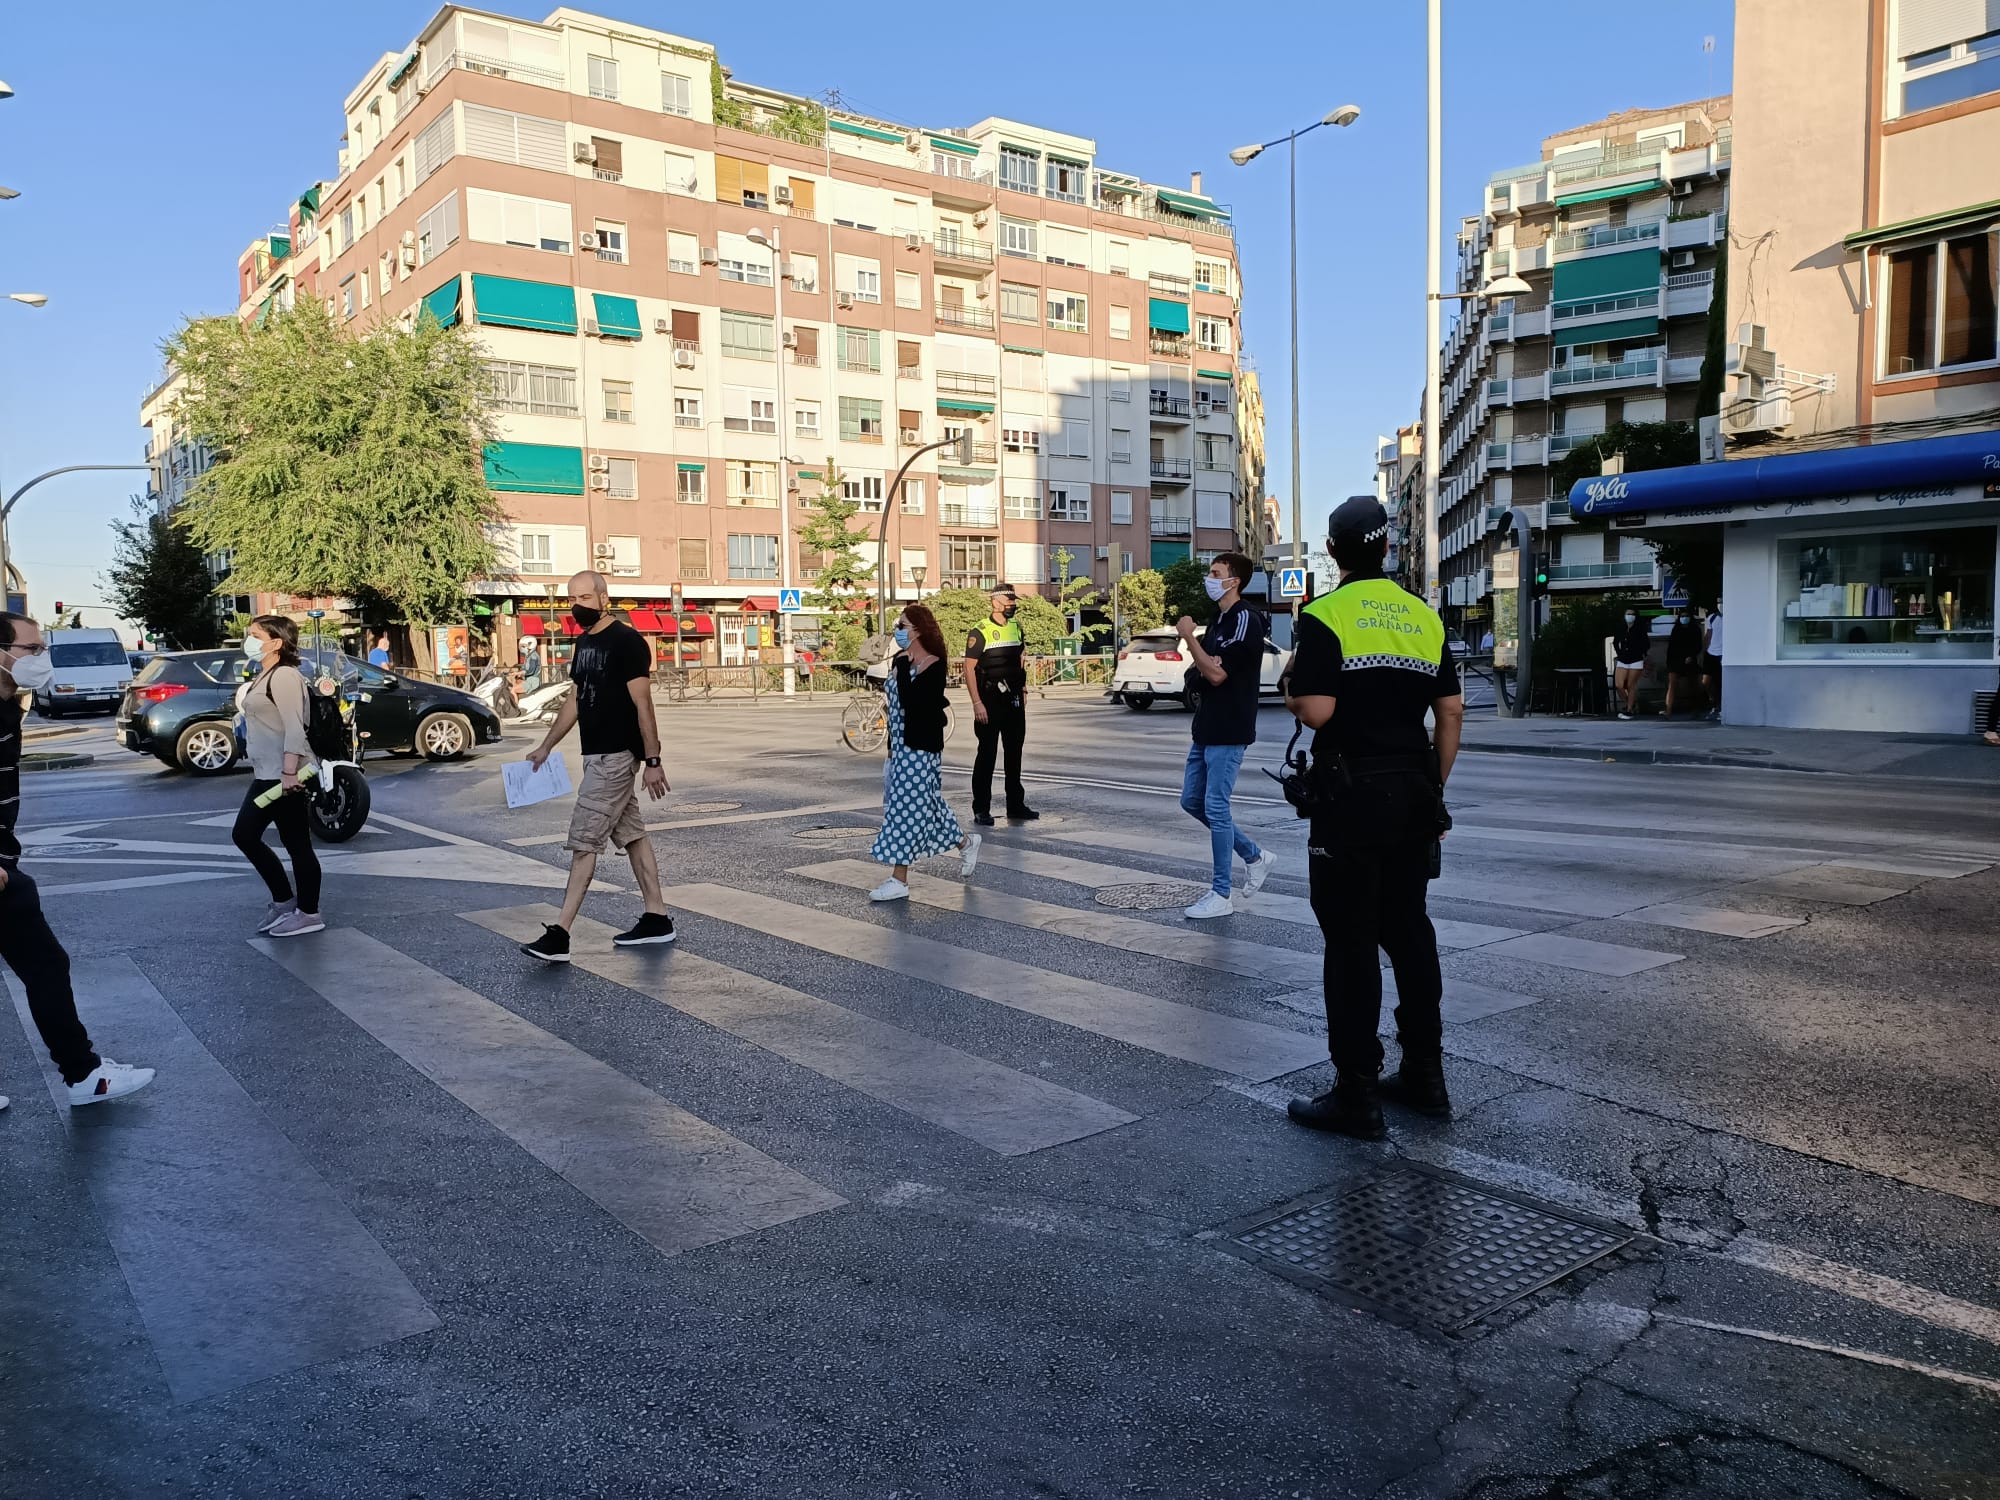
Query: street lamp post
x,y
1433,309
15,499
1347,114
769,240
892,497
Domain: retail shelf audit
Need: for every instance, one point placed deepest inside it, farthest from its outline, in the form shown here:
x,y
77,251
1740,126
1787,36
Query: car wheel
x,y
444,737
206,749
1139,702
1192,698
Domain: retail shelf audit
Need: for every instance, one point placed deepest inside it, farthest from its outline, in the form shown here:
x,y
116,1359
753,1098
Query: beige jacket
x,y
273,704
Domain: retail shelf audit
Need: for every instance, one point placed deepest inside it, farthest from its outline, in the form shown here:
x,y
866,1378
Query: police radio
x,y
1296,781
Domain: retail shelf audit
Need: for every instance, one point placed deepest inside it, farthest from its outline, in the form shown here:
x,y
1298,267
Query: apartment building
x,y
1857,505
1398,475
1617,230
697,293
1248,526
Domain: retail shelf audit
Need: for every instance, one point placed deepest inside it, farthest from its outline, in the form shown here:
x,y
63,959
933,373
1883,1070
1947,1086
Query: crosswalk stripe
x,y
673,1179
1247,1049
1614,960
720,819
1717,920
1826,883
1006,1111
191,1176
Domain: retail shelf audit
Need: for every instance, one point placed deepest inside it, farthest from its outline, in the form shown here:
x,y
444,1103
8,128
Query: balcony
x,y
1634,161
1531,258
1171,286
1697,231
961,316
964,383
958,250
909,372
1682,368
1586,573
492,67
986,517
1174,408
811,361
1607,309
1690,292
1172,345
1606,237
1171,525
687,346
1625,372
1173,470
1531,325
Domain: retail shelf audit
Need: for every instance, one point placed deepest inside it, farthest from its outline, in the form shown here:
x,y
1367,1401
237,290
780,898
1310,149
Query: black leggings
x,y
289,813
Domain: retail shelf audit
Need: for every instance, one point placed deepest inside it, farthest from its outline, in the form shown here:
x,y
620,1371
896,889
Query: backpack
x,y
326,729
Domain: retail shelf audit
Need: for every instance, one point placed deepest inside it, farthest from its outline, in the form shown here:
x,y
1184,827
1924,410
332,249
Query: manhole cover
x,y
1421,1245
692,809
49,847
826,835
1155,896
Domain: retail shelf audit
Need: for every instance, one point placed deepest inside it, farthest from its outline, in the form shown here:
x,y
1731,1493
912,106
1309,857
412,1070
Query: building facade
x,y
698,295
1617,230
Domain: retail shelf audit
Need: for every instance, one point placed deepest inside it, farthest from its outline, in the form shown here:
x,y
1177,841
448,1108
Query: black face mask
x,y
584,615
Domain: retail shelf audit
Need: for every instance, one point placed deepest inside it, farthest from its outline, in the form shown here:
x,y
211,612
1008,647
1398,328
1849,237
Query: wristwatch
x,y
652,762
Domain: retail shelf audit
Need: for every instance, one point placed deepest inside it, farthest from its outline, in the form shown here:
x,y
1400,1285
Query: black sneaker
x,y
984,820
653,927
552,947
1022,815
1351,1109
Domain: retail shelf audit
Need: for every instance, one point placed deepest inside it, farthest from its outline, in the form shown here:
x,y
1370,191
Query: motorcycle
x,y
541,706
338,798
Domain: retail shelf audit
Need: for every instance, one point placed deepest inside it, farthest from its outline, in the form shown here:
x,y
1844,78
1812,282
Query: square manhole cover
x,y
1419,1245
1149,896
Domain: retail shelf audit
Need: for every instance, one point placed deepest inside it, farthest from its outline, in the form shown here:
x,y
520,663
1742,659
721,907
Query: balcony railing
x,y
1604,307
909,372
1172,525
809,360
986,516
492,67
961,316
964,383
1173,286
687,346
1617,162
1583,572
1173,470
1623,370
1174,346
1160,404
970,580
1604,235
954,247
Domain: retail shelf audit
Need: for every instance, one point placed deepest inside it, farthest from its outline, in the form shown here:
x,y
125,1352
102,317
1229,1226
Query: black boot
x,y
1351,1107
1022,815
1419,1085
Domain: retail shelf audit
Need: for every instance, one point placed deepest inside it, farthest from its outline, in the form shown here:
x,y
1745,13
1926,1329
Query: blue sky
x,y
151,146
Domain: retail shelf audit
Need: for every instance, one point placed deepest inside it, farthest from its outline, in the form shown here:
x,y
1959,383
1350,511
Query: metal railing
x,y
1179,470
493,67
964,317
1174,286
1613,163
1629,302
1160,404
986,517
1624,369
909,372
1593,239
966,251
965,383
1689,278
1576,572
1173,345
1172,525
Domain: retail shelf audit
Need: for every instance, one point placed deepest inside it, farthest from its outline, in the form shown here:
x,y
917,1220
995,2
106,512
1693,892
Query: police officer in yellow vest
x,y
1370,663
996,679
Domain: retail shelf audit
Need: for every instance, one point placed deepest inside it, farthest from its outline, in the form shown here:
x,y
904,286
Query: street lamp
x,y
769,240
7,193
1500,286
919,572
1347,114
32,299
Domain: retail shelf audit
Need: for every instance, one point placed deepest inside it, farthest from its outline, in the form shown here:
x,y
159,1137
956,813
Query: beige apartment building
x,y
697,293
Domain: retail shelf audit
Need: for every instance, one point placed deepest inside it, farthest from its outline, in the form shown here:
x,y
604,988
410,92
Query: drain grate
x,y
1424,1246
1155,896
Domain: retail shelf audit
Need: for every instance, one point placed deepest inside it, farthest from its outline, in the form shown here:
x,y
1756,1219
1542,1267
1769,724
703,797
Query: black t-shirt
x,y
1226,713
1683,645
606,660
1378,711
1634,640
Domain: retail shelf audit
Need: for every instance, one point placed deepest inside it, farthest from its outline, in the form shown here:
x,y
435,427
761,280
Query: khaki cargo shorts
x,y
607,805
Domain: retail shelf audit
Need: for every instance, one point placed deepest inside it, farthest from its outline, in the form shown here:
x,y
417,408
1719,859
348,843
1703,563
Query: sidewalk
x,y
1691,742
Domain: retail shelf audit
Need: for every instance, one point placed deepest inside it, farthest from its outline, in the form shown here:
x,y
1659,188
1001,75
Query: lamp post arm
x,y
14,499
893,496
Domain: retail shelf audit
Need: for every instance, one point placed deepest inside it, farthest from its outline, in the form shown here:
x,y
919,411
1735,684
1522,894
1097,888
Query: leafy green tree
x,y
1142,601
1645,445
1075,594
844,574
1693,555
1708,394
343,463
160,578
957,611
1182,585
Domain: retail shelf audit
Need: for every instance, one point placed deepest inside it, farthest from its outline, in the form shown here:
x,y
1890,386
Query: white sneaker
x,y
1258,871
891,889
5,1101
109,1080
968,859
1210,905
296,924
275,913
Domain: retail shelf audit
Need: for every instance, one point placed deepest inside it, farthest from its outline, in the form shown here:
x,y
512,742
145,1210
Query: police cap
x,y
1359,520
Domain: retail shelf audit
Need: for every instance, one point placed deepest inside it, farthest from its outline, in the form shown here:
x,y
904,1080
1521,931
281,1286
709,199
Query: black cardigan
x,y
922,695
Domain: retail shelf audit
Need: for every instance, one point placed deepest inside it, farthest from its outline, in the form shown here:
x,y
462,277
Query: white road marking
x,y
1842,1351
140,882
1614,960
721,819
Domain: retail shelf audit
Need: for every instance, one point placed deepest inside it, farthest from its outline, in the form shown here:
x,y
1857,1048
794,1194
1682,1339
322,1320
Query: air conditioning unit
x,y
791,338
913,242
844,301
913,143
599,464
1683,260
600,481
661,325
603,551
410,257
979,221
709,257
587,240
684,359
410,239
590,327
583,151
782,193
982,291
1684,188
1103,554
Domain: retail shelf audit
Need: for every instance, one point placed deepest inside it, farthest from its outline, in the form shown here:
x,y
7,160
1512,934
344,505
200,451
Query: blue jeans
x,y
1205,793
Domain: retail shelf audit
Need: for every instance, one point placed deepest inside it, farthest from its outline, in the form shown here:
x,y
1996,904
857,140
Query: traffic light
x,y
58,607
1540,576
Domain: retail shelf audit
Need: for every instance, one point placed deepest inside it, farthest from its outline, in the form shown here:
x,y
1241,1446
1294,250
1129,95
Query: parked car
x,y
90,672
1155,665
182,708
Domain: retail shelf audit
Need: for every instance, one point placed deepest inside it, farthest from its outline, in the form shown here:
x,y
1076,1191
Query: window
x,y
683,253
909,290
533,390
1118,257
859,348
1023,370
1020,304
1069,438
621,478
1211,276
1898,594
686,324
691,488
433,145
687,406
753,556
1212,452
1121,445
618,401
745,409
908,560
1947,52
739,260
805,418
1121,323
683,175
1066,179
746,336
1069,502
347,227
744,182
694,555
1066,247
1212,334
753,483
1213,400
854,206
529,223
904,218
910,426
367,291
1017,237
536,550
1940,307
858,277
860,420
969,561
805,346
804,271
1121,511
1119,379
386,277
1022,500
865,490
909,359
676,94
1023,560
611,242
1068,312
624,556
437,230
603,73
1211,509
1020,170
347,308
1024,436
803,197
522,140
913,495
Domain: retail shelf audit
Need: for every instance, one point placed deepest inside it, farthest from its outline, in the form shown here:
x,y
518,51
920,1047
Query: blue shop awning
x,y
1936,463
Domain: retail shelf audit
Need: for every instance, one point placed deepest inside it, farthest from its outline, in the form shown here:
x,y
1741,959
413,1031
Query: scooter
x,y
541,706
497,693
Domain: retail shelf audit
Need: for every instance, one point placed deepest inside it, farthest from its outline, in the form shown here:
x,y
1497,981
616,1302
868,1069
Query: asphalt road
x,y
949,1199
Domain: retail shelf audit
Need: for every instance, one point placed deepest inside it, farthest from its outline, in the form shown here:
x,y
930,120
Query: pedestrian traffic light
x,y
678,601
58,606
1540,576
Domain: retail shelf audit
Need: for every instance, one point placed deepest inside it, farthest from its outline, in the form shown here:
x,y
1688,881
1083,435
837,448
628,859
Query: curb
x,y
52,760
44,732
1647,757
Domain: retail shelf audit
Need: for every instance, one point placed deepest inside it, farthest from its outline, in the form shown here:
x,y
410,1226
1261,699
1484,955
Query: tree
x,y
1692,555
1708,395
1181,583
1644,445
843,573
1074,594
342,463
159,577
958,611
1142,601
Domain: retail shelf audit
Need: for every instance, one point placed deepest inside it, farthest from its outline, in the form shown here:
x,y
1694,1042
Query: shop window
x,y
1888,595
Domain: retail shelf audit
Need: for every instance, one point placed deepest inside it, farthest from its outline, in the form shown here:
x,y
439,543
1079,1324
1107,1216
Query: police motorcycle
x,y
336,791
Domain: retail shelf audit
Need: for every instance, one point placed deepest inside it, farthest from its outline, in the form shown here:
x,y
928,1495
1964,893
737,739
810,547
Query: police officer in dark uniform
x,y
1370,662
996,680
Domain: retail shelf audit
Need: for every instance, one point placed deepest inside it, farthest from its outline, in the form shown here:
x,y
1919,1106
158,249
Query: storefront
x,y
1858,583
687,638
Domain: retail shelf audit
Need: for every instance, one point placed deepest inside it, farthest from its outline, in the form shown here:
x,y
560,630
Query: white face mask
x,y
1216,587
253,648
1630,618
30,673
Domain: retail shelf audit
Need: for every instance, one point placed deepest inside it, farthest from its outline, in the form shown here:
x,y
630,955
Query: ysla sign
x,y
1612,488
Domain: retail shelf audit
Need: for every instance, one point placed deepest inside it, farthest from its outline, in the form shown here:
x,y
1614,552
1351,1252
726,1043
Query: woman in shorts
x,y
1628,653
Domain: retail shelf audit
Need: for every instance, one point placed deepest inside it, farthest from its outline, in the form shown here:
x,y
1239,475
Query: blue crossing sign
x,y
1291,583
790,601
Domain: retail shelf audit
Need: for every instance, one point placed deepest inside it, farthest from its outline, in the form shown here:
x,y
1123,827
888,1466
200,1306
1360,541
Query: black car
x,y
182,708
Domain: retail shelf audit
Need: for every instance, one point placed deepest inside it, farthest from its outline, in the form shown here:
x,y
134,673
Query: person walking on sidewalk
x,y
1628,652
996,679
610,705
1229,659
27,944
274,708
916,820
1372,661
1683,657
1711,664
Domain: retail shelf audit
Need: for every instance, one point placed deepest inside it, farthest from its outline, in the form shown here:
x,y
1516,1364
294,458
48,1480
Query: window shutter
x,y
808,342
610,155
1924,24
908,354
802,195
487,213
757,178
687,325
434,145
908,420
728,179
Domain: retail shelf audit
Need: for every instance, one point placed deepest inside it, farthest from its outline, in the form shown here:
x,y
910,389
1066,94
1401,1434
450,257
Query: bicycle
x,y
864,723
679,683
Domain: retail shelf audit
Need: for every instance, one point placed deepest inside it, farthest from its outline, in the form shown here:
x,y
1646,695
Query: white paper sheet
x,y
526,786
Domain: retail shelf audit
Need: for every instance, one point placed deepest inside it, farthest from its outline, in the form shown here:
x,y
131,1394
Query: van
x,y
92,671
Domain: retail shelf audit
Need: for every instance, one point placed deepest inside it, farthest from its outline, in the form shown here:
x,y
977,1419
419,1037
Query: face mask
x,y
1630,618
1007,609
584,615
31,673
253,648
1216,587
902,635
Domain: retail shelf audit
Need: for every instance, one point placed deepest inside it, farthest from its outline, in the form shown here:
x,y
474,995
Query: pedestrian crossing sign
x,y
1291,583
789,602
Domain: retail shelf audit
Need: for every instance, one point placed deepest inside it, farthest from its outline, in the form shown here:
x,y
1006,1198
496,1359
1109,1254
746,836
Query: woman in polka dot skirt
x,y
916,820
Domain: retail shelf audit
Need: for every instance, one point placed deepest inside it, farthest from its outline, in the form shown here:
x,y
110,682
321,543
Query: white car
x,y
91,673
1155,665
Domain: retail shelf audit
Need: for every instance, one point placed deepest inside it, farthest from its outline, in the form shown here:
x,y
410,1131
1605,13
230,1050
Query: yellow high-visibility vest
x,y
1379,624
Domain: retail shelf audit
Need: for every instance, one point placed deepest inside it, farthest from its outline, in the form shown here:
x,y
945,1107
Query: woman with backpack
x,y
275,711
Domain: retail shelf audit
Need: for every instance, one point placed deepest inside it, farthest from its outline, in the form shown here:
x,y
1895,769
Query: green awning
x,y
1166,554
865,132
808,474
534,469
403,67
1167,316
952,403
1618,332
1190,203
963,148
281,247
617,317
1598,195
309,202
1215,374
1606,276
524,304
691,468
263,315
1956,218
443,304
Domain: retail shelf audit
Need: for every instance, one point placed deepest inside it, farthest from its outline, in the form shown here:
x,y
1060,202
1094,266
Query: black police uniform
x,y
995,651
